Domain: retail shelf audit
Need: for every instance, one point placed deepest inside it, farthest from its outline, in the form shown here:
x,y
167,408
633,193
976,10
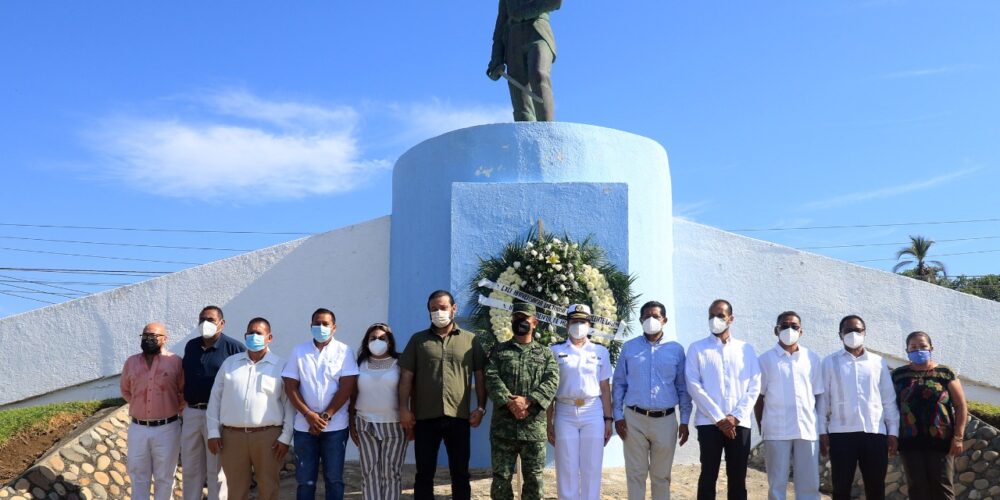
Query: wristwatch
x,y
609,419
324,416
480,409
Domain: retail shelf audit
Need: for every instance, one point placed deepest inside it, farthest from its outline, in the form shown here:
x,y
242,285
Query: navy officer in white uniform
x,y
579,423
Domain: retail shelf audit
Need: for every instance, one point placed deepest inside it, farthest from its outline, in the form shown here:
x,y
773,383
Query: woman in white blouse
x,y
374,414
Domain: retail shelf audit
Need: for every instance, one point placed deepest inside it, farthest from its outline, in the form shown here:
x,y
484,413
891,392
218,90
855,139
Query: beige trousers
x,y
246,455
649,452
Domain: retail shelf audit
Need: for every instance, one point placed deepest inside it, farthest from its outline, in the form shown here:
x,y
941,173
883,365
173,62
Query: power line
x,y
36,290
894,244
140,245
854,226
26,298
153,230
105,272
48,285
935,256
90,256
78,283
44,292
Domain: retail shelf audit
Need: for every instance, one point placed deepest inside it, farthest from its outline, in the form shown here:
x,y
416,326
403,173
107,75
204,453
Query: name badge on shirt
x,y
564,355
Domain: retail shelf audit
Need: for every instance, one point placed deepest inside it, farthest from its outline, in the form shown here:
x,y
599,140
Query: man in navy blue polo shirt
x,y
203,355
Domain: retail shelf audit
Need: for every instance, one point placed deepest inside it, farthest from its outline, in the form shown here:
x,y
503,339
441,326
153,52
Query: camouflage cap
x,y
524,308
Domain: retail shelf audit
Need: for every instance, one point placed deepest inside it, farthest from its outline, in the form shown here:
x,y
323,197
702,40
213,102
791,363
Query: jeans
x,y
428,436
309,451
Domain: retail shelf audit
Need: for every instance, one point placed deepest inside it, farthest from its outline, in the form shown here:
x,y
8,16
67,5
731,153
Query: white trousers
x,y
152,459
803,457
579,449
198,463
649,451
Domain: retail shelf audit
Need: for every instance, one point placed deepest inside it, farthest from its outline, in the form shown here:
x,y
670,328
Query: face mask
x,y
854,340
652,326
579,330
208,329
441,319
919,357
150,346
789,336
255,342
718,326
321,333
378,347
521,327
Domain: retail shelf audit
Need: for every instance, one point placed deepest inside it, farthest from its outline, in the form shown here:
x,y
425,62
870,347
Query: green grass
x,y
20,419
986,412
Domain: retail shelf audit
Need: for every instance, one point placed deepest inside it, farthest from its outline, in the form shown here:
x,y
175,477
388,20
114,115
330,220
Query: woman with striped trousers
x,y
374,411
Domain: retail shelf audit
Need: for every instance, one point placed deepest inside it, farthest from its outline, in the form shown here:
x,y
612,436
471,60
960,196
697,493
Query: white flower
x,y
556,240
534,252
548,247
539,276
557,267
562,288
527,268
571,276
517,265
538,288
529,244
523,282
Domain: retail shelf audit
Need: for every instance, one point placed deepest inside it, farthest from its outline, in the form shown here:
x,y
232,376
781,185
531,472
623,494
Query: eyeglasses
x,y
793,326
153,336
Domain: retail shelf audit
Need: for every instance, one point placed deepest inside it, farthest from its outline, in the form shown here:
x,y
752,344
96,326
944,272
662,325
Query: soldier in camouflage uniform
x,y
522,377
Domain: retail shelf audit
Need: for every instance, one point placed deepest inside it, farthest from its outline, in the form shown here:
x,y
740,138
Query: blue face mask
x,y
255,342
321,333
919,357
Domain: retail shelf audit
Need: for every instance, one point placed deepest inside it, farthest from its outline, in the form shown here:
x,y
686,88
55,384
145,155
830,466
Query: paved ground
x,y
685,481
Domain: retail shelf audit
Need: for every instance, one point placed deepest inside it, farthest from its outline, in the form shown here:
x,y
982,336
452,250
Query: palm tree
x,y
926,270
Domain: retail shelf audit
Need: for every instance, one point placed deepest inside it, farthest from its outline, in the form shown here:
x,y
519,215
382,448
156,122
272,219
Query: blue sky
x,y
287,117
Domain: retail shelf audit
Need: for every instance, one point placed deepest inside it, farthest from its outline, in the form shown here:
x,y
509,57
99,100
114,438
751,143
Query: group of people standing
x,y
243,407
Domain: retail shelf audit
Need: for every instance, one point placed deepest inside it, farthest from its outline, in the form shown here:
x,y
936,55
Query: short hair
x,y
323,310
786,314
441,293
850,317
260,320
722,301
916,334
365,353
214,308
651,304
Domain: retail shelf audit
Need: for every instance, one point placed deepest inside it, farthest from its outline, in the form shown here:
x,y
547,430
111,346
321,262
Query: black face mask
x,y
150,346
521,327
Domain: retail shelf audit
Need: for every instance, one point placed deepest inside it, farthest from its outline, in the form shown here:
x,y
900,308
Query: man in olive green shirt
x,y
522,378
434,396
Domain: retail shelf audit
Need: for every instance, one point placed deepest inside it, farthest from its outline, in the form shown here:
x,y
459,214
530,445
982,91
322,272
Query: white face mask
x,y
579,330
717,326
208,329
651,326
378,347
788,336
441,319
854,340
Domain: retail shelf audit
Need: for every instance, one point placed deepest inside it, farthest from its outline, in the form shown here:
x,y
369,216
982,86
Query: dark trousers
x,y
712,444
529,61
929,474
848,451
428,435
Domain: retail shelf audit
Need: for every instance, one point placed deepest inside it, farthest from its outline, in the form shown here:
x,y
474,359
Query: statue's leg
x,y
517,68
540,76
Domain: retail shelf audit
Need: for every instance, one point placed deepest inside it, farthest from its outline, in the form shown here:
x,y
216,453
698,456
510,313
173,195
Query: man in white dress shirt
x,y
723,378
249,416
319,379
858,418
790,382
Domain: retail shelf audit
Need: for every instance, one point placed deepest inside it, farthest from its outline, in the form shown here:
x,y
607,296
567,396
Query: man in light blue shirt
x,y
648,386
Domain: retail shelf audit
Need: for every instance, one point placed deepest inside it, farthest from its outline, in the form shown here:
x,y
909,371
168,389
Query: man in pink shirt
x,y
152,383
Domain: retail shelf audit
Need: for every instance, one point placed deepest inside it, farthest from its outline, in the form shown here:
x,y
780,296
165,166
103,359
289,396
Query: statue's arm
x,y
499,39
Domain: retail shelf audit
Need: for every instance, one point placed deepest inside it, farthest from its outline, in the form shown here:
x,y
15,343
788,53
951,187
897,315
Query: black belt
x,y
198,406
155,423
651,413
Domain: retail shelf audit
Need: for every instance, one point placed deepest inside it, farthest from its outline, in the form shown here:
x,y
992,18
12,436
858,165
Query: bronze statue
x,y
523,41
